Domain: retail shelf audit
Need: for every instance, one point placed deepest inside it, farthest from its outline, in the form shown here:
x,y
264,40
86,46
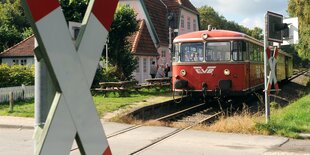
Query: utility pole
x,y
44,95
107,55
267,102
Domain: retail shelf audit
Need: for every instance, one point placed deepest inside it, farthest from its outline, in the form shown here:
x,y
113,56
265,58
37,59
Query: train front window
x,y
191,52
218,51
175,54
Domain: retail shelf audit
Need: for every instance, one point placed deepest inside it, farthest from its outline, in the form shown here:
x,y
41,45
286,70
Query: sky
x,y
249,13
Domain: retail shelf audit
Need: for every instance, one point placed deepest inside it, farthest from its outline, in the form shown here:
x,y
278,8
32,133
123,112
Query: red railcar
x,y
221,62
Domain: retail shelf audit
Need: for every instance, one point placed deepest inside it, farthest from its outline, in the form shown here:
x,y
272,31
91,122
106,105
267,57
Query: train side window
x,y
245,47
251,51
262,53
255,53
259,54
237,51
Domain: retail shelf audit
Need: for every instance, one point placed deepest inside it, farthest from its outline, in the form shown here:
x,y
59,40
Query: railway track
x,y
176,132
173,117
297,74
164,118
190,117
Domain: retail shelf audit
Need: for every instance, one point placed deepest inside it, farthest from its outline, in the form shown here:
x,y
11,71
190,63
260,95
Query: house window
x,y
76,31
188,23
144,65
15,61
138,66
182,21
194,25
23,62
163,53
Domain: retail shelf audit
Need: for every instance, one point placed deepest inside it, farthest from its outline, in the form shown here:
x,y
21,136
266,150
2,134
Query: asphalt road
x,y
18,141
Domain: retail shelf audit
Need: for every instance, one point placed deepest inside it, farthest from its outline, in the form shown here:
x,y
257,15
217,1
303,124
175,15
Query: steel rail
x,y
174,133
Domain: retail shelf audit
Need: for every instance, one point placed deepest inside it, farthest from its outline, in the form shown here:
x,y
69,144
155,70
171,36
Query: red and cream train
x,y
222,63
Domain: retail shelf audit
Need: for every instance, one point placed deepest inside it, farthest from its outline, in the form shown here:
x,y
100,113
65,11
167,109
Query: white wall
x,y
9,61
165,56
137,6
293,30
144,69
192,17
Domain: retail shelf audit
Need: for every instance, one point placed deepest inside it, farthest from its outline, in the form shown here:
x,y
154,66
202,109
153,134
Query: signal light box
x,y
274,27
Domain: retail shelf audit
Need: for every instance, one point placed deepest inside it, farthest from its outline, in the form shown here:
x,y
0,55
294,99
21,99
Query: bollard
x,y
23,92
11,102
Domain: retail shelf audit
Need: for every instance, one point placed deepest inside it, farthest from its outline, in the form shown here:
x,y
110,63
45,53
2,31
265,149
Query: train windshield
x,y
218,51
194,52
191,52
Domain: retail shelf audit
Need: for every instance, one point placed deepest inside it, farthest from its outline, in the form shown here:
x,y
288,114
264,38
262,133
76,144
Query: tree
x,y
74,10
124,25
301,9
208,16
14,27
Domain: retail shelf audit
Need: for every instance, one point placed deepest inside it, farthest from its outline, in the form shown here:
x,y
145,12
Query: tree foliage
x,y
301,9
13,25
208,16
74,10
124,25
16,75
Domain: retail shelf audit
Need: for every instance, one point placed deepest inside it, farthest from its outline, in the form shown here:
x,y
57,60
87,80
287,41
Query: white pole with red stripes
x,y
267,99
72,67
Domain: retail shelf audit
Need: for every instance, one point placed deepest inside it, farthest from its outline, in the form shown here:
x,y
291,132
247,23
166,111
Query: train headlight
x,y
183,72
204,36
226,72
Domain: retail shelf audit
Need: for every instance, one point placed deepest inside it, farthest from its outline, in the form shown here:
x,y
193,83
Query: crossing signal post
x,y
273,32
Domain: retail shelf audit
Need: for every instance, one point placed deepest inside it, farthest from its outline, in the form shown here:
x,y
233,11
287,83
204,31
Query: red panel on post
x,y
41,8
104,11
107,151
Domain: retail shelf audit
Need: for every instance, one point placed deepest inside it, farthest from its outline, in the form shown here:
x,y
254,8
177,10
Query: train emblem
x,y
208,70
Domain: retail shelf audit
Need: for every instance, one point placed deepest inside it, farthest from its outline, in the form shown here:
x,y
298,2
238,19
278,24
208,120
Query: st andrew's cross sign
x,y
72,67
272,59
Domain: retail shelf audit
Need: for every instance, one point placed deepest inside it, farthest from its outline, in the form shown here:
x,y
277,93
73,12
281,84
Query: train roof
x,y
214,35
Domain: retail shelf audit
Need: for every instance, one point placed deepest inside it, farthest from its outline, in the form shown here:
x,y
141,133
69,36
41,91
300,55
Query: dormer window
x,y
182,21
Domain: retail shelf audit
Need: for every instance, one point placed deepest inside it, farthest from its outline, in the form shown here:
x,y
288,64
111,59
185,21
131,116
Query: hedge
x,y
16,75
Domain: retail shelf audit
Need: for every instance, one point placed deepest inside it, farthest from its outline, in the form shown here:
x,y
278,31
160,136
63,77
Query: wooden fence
x,y
19,93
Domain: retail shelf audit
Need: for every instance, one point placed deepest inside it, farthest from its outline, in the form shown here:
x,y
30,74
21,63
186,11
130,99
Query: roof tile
x,y
22,49
141,41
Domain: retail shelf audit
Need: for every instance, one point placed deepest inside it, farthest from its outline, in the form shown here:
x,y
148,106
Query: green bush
x,y
103,75
16,75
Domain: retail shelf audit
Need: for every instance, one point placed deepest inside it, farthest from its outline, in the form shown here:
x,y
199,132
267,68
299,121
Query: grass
x,y
244,123
115,102
104,104
21,109
289,121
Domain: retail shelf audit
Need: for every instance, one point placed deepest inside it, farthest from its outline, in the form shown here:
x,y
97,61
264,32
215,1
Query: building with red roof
x,y
21,53
151,42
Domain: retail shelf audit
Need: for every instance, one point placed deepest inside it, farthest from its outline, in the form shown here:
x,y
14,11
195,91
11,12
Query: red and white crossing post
x,y
72,68
272,33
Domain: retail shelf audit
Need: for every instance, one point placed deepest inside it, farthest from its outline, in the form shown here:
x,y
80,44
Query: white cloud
x,y
252,22
248,12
